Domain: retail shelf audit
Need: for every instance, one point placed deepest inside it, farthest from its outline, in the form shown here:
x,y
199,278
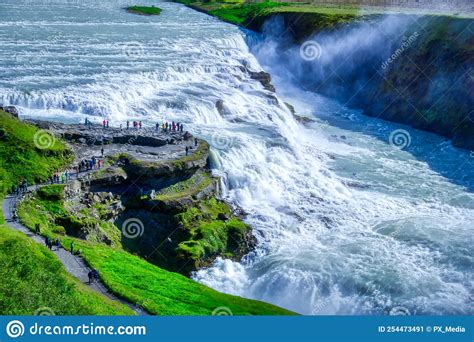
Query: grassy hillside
x,y
241,13
159,291
28,153
253,15
32,278
162,292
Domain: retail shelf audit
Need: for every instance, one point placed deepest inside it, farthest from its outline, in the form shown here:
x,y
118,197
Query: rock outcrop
x,y
161,183
10,110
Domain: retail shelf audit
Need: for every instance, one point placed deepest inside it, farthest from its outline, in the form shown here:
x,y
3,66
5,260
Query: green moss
x,y
144,10
54,218
201,153
207,234
52,192
187,188
33,278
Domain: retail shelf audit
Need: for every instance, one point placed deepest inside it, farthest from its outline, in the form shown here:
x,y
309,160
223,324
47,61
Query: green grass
x,y
23,156
238,12
144,10
162,292
187,188
159,291
46,208
31,277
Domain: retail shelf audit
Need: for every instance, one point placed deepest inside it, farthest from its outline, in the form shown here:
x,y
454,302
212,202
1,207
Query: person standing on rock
x,y
195,142
103,123
140,125
187,150
107,123
102,151
128,124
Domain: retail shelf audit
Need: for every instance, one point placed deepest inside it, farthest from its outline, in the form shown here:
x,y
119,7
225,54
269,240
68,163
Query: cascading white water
x,y
346,223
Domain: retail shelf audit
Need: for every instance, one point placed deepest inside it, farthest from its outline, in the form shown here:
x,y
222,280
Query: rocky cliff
x,y
417,70
153,196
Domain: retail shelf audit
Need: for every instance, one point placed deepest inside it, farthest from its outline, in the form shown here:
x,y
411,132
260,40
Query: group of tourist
x,y
89,164
136,124
93,275
60,177
21,188
165,126
50,243
172,127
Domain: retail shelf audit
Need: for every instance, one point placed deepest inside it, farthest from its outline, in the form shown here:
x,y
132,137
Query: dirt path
x,y
74,264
